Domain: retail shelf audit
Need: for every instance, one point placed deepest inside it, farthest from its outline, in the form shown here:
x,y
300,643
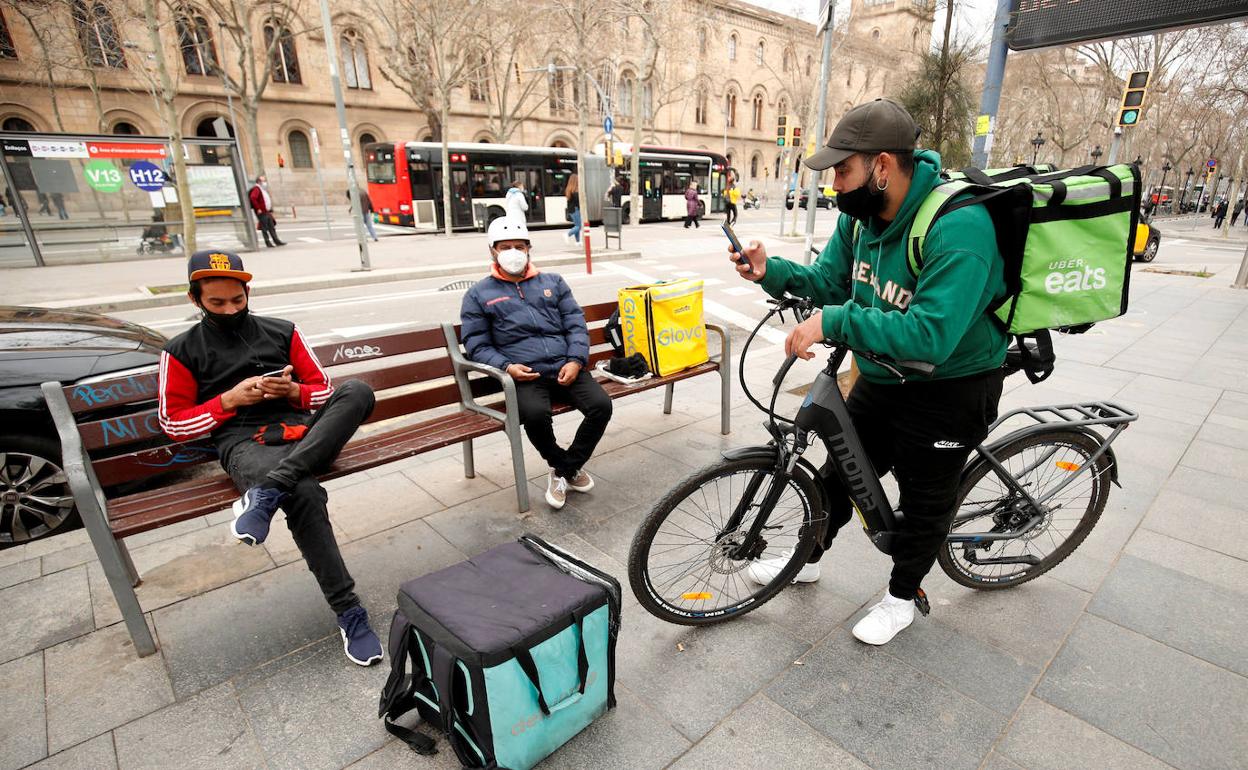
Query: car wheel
x,y
624,218
788,205
1150,251
35,498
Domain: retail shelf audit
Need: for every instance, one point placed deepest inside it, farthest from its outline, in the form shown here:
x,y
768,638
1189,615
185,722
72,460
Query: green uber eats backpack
x,y
1066,238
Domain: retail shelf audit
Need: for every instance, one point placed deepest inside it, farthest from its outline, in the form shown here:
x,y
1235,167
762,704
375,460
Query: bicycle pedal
x,y
920,601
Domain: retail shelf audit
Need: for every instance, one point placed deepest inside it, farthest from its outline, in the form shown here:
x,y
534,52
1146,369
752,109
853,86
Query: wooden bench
x,y
596,319
110,436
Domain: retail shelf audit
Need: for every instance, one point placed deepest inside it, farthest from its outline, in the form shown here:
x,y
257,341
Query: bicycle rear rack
x,y
1073,415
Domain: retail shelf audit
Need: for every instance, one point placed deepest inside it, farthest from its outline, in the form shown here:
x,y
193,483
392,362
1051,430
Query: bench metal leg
x,y
667,397
516,439
121,575
470,469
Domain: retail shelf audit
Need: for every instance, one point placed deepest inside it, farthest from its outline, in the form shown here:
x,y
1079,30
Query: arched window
x,y
605,80
97,34
728,157
7,49
206,128
702,40
625,95
758,54
199,55
647,102
732,47
285,58
354,60
475,73
875,34
557,84
300,149
730,110
366,139
699,106
782,107
755,161
786,61
777,173
758,112
125,128
16,124
810,64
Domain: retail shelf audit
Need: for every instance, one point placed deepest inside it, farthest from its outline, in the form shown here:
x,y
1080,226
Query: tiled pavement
x,y
1132,654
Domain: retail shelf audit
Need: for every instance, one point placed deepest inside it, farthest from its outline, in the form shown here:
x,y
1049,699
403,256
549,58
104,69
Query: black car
x,y
39,345
825,200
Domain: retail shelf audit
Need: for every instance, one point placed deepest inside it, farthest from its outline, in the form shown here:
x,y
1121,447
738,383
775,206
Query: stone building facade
x,y
738,68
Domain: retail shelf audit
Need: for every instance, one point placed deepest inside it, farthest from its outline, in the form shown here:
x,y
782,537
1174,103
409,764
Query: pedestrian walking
x,y
691,205
58,200
366,212
44,203
517,201
1219,214
1239,209
732,197
615,193
572,193
262,205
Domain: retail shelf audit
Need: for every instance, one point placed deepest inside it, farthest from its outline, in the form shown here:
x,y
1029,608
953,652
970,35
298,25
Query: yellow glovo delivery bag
x,y
663,322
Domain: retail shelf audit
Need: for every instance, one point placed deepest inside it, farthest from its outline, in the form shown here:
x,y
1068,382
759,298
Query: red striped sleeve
x,y
314,385
179,416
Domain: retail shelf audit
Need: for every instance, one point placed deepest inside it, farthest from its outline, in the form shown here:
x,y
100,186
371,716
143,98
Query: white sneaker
x,y
885,620
582,483
763,571
556,491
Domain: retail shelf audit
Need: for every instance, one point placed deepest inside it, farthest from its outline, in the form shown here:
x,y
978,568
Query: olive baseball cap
x,y
216,264
882,125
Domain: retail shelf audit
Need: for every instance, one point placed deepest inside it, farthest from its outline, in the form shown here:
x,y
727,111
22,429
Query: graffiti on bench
x,y
132,428
356,352
129,388
182,455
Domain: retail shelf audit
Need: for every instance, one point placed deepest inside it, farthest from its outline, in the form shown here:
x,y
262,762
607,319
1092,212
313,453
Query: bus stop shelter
x,y
74,198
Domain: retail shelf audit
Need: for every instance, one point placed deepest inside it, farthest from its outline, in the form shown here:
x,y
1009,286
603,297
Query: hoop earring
x,y
878,187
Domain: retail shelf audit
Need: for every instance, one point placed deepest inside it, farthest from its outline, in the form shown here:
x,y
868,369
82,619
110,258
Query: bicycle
x,y
1025,500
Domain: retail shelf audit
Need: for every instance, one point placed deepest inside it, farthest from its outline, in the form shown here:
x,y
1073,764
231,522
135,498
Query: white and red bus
x,y
405,182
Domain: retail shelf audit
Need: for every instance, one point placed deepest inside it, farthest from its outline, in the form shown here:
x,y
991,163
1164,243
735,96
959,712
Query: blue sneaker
x,y
358,640
253,512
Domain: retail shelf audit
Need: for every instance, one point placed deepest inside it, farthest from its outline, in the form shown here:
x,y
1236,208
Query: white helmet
x,y
507,229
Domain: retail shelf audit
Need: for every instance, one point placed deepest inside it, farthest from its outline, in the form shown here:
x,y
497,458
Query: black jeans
x,y
295,466
268,228
534,400
692,219
730,217
923,432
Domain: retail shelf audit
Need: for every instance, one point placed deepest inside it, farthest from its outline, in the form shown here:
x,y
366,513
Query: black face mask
x,y
226,322
863,202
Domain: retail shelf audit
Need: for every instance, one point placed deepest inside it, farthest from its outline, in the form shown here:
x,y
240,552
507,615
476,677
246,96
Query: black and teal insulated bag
x,y
508,655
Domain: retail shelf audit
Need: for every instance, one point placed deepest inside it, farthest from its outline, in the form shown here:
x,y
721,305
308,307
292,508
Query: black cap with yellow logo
x,y
216,264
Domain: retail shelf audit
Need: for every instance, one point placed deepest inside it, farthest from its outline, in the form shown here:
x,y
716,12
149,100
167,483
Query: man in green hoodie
x,y
922,430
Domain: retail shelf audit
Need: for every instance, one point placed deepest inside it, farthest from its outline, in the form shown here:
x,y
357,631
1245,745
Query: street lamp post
x,y
1187,183
1161,190
1096,155
1036,143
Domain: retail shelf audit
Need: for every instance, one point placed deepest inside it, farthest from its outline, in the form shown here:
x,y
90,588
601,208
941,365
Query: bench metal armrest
x,y
462,366
725,345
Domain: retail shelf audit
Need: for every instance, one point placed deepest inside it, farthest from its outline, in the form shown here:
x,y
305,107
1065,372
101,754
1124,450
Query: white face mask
x,y
512,261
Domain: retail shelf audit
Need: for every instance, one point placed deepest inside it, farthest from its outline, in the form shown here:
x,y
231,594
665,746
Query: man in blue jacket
x,y
527,324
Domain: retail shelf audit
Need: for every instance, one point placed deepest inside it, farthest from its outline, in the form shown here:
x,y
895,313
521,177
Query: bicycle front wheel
x,y
986,504
688,566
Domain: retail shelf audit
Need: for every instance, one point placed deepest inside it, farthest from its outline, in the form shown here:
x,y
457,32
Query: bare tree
x,y
405,63
494,73
258,60
48,31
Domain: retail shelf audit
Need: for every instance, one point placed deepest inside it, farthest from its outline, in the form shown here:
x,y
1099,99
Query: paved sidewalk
x,y
117,286
1131,654
1200,227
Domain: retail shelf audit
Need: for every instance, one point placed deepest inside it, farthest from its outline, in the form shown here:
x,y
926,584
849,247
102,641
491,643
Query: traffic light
x,y
782,132
1133,99
796,140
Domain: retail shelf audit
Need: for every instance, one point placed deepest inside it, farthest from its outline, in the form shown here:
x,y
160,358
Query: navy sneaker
x,y
253,512
358,640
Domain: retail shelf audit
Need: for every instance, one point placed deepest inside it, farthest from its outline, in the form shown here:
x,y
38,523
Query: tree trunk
x,y
443,119
938,137
165,99
251,111
635,205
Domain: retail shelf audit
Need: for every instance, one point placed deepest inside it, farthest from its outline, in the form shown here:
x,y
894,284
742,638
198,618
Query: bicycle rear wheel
x,y
685,564
1040,463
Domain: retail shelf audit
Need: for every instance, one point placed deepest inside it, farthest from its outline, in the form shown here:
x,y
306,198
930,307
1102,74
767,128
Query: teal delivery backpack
x,y
508,655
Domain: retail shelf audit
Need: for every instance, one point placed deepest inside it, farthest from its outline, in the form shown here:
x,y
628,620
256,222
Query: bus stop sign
x,y
1046,23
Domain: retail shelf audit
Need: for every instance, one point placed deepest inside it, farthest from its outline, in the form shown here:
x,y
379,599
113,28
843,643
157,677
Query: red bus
x,y
405,182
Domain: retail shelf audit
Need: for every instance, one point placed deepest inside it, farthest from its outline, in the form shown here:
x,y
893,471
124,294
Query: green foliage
x,y
942,105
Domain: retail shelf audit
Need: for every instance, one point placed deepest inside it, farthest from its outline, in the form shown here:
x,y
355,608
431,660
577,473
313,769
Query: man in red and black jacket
x,y
255,386
262,205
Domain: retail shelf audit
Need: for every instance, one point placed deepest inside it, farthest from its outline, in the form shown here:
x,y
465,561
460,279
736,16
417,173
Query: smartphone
x,y
274,373
736,246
